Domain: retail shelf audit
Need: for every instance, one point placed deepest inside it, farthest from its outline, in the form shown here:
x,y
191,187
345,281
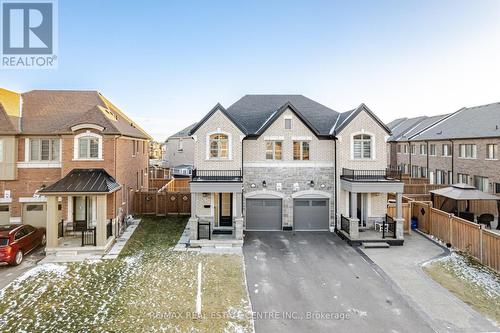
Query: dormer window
x,y
88,146
219,146
362,146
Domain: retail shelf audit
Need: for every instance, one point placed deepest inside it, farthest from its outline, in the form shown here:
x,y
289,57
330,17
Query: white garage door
x,y
35,214
4,214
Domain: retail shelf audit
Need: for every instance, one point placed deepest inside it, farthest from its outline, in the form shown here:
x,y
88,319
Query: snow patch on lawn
x,y
477,274
49,268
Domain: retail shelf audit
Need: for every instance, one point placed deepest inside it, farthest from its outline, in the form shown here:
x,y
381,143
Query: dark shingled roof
x,y
404,126
84,181
254,112
183,133
475,122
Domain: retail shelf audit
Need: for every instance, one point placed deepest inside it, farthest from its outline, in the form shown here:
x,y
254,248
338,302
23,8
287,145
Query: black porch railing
x,y
204,231
388,227
60,229
371,175
89,237
345,224
217,175
109,229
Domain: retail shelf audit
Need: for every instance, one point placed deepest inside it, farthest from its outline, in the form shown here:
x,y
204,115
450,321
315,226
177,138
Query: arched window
x,y
88,146
219,146
362,146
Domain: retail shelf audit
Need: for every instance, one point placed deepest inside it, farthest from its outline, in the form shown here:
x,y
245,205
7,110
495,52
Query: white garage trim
x,y
264,194
312,194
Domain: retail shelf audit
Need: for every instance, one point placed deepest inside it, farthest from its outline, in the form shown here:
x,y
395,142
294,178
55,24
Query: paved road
x,y
445,311
10,273
303,272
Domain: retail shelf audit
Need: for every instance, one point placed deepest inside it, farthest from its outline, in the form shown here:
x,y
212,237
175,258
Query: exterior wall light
x,y
264,184
253,185
322,186
311,183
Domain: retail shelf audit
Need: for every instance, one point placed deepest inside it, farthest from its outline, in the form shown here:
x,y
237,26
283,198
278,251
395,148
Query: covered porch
x,y
216,208
89,227
363,207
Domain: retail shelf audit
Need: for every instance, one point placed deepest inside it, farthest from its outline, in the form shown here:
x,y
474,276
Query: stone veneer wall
x,y
287,177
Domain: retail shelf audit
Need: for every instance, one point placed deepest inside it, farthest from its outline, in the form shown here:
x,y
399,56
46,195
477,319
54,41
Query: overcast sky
x,y
167,63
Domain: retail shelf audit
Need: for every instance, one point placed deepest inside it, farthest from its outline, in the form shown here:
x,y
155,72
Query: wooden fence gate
x,y
162,203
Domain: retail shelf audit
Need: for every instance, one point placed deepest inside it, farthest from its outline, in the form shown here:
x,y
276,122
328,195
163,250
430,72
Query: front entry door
x,y
226,209
80,209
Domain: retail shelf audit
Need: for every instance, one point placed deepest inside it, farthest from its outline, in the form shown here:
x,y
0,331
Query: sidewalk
x,y
445,312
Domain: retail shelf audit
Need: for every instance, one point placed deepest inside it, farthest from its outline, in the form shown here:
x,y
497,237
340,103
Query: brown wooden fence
x,y
409,180
391,211
162,203
421,188
463,235
178,185
157,183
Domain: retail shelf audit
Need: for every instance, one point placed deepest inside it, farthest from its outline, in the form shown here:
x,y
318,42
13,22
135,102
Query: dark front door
x,y
80,213
226,209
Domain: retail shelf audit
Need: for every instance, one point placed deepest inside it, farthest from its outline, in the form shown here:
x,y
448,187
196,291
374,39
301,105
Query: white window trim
x,y
39,164
465,151
76,146
372,147
487,152
230,146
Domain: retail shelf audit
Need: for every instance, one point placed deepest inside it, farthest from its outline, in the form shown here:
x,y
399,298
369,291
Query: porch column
x,y
399,216
193,204
69,218
238,220
101,214
399,205
52,221
354,205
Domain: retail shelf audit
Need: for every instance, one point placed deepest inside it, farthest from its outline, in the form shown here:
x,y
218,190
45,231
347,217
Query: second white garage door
x,y
310,214
263,214
4,214
35,214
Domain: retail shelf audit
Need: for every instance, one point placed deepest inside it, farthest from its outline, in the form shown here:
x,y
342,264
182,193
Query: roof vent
x,y
439,133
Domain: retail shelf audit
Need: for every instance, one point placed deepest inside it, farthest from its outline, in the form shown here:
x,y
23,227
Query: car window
x,y
20,233
29,229
4,241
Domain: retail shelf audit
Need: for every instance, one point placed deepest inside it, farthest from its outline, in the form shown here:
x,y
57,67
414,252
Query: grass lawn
x,y
470,281
149,288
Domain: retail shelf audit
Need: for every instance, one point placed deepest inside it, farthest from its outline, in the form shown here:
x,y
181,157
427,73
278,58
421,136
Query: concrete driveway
x,y
314,281
10,273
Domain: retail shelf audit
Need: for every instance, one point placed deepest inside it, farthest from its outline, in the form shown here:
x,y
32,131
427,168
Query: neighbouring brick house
x,y
460,147
286,162
47,137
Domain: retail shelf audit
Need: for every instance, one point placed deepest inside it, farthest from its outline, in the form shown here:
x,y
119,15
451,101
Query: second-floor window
x,y
301,150
413,149
463,178
362,146
467,151
179,145
44,150
432,150
423,149
219,146
491,152
88,147
273,150
446,150
399,149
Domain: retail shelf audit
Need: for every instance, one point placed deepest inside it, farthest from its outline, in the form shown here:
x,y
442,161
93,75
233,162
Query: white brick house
x,y
285,162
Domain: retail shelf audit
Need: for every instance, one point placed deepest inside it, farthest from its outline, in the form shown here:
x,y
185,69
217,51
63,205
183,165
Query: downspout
x,y
409,160
427,154
452,162
242,200
335,182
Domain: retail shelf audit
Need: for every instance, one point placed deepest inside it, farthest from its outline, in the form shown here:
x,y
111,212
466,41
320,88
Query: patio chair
x,y
466,216
485,219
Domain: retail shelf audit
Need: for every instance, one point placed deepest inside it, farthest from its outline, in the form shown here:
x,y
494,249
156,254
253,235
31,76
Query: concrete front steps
x,y
375,245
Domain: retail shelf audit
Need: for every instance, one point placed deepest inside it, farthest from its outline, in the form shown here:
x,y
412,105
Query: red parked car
x,y
18,240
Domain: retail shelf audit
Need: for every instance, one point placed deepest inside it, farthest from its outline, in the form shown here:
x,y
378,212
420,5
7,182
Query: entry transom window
x,y
219,146
273,150
362,146
301,150
44,149
88,147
